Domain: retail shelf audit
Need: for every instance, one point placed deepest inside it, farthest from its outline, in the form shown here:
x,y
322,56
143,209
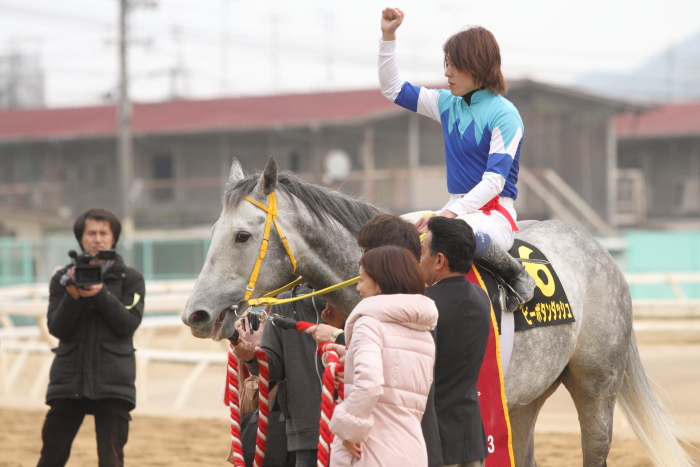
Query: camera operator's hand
x,y
68,282
78,292
73,291
90,290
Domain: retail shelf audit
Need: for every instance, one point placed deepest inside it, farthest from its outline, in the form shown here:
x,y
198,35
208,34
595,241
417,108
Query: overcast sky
x,y
237,47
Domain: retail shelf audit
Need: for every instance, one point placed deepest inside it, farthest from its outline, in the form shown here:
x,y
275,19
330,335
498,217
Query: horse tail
x,y
648,418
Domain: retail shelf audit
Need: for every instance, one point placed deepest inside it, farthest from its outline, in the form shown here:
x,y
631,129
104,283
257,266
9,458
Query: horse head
x,y
248,256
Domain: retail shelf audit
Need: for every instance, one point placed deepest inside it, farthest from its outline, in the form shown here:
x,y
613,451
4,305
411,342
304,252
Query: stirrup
x,y
513,300
502,296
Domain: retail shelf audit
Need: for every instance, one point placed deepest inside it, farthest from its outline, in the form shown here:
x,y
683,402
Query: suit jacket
x,y
462,334
431,430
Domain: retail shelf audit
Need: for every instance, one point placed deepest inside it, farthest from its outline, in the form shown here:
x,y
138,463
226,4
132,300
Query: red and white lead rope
x,y
328,401
328,391
263,407
232,400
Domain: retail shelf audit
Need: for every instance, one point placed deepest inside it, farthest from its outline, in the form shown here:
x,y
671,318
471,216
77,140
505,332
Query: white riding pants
x,y
495,225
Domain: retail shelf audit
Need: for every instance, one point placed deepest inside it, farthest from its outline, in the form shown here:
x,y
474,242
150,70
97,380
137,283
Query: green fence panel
x,y
32,261
658,251
16,264
158,258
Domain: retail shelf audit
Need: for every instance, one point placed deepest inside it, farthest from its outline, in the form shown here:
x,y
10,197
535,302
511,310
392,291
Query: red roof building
x,y
661,150
66,160
662,121
197,116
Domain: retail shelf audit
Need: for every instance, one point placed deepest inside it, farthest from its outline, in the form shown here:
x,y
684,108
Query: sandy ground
x,y
197,433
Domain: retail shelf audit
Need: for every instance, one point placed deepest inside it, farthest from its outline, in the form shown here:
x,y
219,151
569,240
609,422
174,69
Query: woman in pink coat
x,y
388,367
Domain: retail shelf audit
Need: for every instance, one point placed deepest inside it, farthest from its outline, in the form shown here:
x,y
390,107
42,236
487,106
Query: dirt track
x,y
670,358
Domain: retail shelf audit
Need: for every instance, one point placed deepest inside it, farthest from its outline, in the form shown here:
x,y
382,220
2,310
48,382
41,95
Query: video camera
x,y
87,274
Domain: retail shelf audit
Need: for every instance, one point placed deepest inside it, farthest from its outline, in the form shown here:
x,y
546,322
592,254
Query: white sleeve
x,y
390,80
418,99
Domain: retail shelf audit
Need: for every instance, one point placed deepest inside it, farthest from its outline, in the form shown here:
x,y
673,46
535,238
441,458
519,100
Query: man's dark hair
x,y
388,229
454,238
394,269
97,214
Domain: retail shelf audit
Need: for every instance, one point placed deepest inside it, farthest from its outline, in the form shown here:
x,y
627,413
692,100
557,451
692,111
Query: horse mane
x,y
323,203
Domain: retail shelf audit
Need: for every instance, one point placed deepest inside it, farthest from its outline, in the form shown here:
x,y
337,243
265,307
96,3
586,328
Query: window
x,y
162,175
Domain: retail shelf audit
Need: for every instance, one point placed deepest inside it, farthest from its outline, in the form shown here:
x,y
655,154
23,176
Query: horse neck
x,y
327,255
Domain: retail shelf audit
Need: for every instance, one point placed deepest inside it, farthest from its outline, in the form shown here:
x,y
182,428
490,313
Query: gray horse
x,y
595,357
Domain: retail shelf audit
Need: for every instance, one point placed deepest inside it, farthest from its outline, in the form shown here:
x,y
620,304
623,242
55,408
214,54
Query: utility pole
x,y
124,140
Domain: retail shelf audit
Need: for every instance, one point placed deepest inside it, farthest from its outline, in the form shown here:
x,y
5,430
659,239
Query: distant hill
x,y
671,75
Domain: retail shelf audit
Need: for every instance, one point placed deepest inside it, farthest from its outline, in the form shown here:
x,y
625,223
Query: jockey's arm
x,y
491,185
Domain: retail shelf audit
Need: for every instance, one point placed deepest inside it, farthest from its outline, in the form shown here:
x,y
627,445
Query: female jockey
x,y
483,133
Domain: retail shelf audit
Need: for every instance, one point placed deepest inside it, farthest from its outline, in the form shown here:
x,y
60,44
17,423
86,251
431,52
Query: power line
x,y
38,13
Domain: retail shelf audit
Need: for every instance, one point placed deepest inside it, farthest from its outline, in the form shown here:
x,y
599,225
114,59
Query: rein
x,y
268,299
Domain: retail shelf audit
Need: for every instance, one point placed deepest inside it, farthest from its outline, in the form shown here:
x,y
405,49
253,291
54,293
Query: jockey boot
x,y
491,256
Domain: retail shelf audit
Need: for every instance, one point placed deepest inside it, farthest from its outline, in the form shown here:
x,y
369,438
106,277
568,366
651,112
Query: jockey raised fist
x,y
391,20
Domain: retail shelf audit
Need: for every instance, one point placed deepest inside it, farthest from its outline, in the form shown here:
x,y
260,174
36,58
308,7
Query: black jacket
x,y
95,355
462,334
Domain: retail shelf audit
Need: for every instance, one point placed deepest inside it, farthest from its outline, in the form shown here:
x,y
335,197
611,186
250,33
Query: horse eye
x,y
242,237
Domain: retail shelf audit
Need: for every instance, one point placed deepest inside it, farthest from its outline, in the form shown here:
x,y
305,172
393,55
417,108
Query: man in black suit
x,y
461,337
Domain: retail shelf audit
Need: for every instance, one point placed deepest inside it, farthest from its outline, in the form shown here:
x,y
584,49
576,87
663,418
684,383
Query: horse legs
x,y
594,392
522,425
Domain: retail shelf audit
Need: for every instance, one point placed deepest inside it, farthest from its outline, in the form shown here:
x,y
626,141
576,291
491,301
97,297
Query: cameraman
x,y
94,369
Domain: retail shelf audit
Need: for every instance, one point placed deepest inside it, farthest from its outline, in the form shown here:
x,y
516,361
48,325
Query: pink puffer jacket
x,y
388,373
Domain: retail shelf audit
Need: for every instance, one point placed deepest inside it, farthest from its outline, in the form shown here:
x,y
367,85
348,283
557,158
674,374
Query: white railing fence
x,y
680,306
178,373
175,372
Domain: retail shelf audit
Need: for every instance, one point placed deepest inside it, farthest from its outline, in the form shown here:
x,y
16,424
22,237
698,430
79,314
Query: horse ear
x,y
268,180
235,174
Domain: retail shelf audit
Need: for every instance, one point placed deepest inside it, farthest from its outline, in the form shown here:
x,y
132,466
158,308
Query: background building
x,y
57,162
660,152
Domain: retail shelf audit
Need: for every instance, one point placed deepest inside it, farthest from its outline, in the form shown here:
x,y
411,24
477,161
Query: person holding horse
x,y
292,359
276,452
461,336
388,366
483,134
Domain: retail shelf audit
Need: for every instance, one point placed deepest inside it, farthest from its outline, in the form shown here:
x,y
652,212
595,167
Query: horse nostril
x,y
198,317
